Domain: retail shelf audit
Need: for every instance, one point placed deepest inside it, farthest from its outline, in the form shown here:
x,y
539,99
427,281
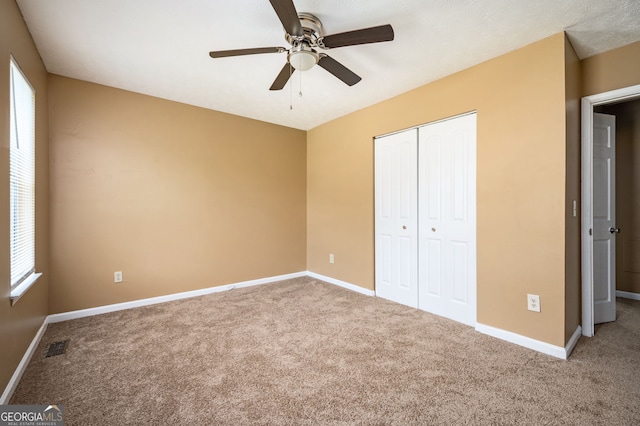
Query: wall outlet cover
x,y
533,302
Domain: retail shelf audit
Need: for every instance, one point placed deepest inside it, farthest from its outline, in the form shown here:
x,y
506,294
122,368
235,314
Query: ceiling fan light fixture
x,y
303,60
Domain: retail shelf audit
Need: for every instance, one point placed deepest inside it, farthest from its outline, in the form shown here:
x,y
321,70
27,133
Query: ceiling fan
x,y
303,32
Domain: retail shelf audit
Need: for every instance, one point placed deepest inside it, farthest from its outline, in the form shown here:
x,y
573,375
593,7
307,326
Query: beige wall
x,y
19,323
176,197
573,74
627,193
611,70
521,171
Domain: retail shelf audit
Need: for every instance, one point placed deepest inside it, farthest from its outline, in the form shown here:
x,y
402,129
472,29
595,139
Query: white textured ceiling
x,y
160,47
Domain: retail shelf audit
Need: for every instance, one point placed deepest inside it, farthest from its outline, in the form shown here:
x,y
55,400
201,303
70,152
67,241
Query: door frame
x,y
588,103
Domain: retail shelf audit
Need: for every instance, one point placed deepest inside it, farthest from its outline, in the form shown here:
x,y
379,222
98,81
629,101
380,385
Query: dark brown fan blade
x,y
339,70
288,15
283,77
363,36
240,52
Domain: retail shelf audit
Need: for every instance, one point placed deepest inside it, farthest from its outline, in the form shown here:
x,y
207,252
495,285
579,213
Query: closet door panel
x,y
396,222
446,181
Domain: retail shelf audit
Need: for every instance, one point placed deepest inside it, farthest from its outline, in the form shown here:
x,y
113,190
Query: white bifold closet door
x,y
396,205
440,173
447,229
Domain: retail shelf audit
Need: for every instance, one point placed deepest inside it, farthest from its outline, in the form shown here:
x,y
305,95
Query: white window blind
x,y
21,176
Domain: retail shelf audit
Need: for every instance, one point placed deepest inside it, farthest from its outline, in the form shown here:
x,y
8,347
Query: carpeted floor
x,y
306,352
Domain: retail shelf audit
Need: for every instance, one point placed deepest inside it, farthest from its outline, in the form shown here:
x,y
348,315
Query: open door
x,y
604,216
598,227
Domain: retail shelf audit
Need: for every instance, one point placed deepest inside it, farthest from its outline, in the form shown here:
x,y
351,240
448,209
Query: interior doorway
x,y
611,255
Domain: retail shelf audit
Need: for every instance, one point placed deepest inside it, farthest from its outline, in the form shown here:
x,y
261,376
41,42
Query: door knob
x,y
404,227
616,230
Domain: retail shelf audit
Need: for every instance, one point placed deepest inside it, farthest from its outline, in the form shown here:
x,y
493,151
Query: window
x,y
21,182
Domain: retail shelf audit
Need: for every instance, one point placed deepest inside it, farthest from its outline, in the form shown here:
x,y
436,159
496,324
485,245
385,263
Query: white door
x,y
396,221
447,206
604,216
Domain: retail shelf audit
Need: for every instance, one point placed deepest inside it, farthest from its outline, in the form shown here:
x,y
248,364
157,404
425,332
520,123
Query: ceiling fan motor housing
x,y
302,56
311,28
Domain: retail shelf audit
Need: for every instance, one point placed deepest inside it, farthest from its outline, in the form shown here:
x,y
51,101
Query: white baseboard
x,y
340,283
573,341
527,342
22,366
65,316
628,295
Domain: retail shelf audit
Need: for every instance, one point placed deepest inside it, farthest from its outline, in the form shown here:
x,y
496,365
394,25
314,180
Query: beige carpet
x,y
306,352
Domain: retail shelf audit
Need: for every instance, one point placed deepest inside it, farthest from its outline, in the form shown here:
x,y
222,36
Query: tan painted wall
x,y
573,73
521,162
611,70
627,193
177,197
19,323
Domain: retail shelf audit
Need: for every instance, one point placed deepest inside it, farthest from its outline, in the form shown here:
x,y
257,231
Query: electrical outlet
x,y
533,302
117,277
331,258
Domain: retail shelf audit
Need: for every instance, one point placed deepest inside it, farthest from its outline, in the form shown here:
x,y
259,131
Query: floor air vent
x,y
57,348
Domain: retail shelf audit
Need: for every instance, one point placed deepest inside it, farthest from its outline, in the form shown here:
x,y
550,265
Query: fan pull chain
x,y
300,93
290,90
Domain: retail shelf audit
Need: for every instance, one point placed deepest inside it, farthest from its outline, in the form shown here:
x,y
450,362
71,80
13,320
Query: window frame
x,y
30,276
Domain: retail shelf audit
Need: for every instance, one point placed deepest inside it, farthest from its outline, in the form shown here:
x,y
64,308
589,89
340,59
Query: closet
x,y
425,217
